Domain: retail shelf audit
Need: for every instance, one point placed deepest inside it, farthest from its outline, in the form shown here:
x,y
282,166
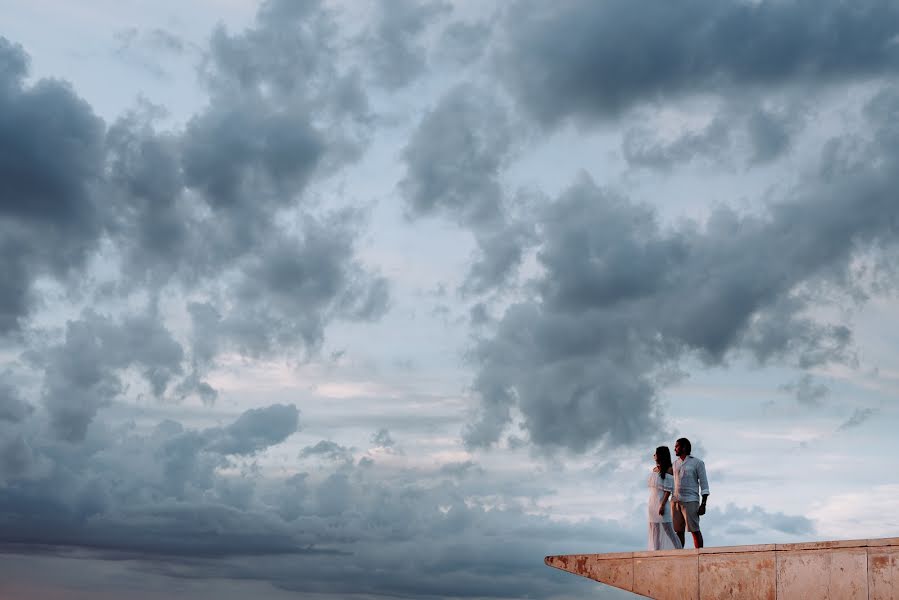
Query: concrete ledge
x,y
832,570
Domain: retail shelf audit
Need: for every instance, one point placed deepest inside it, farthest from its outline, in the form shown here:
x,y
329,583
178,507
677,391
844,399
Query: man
x,y
689,481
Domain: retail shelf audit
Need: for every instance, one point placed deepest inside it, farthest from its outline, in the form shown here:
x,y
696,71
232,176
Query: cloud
x,y
83,373
857,418
220,208
620,300
13,63
13,408
175,501
255,430
454,157
289,60
769,134
152,224
454,160
194,203
750,128
394,46
462,469
155,39
17,458
147,49
806,391
216,209
463,42
232,149
382,439
304,532
589,60
327,449
189,206
641,146
294,285
45,195
501,252
156,492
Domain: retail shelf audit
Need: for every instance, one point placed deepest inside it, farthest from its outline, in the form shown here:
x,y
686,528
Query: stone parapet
x,y
832,570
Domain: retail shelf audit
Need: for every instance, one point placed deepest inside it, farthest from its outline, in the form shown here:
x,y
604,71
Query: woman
x,y
661,484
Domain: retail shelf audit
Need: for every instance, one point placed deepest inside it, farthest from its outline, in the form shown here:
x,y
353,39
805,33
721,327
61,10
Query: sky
x,y
391,299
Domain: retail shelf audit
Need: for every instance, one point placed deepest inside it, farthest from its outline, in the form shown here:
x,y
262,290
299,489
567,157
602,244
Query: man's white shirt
x,y
689,476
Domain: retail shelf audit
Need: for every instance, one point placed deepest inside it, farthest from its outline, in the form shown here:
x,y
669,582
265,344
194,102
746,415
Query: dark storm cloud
x,y
165,528
17,458
191,207
478,314
83,374
169,496
621,301
48,168
769,134
395,46
13,408
13,64
596,59
155,493
153,226
168,501
244,153
463,42
221,206
501,251
454,157
255,430
289,289
282,113
193,203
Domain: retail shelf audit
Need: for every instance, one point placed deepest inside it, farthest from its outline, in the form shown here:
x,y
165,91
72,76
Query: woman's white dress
x,y
661,533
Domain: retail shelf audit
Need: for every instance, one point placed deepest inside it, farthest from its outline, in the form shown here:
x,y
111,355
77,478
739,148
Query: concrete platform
x,y
835,570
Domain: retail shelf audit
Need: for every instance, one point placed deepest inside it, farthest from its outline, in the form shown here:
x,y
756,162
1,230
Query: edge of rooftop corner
x,y
790,547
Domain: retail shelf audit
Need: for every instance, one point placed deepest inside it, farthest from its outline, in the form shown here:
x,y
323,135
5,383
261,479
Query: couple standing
x,y
683,482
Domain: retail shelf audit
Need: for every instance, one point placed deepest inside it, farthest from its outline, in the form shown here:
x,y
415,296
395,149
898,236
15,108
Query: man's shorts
x,y
685,513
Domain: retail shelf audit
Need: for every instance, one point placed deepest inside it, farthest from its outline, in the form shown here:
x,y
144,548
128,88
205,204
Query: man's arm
x,y
703,486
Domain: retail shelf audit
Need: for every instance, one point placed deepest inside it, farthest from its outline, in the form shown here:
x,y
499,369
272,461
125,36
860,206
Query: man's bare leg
x,y
680,536
697,539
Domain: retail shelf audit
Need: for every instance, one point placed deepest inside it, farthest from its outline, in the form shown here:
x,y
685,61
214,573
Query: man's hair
x,y
685,444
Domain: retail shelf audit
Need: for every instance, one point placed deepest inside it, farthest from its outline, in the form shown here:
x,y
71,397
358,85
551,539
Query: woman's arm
x,y
664,501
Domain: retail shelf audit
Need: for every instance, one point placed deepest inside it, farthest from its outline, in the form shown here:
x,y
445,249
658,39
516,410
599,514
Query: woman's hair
x,y
663,458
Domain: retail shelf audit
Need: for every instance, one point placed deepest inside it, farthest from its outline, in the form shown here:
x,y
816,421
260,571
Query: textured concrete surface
x,y
833,570
670,577
883,573
750,576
